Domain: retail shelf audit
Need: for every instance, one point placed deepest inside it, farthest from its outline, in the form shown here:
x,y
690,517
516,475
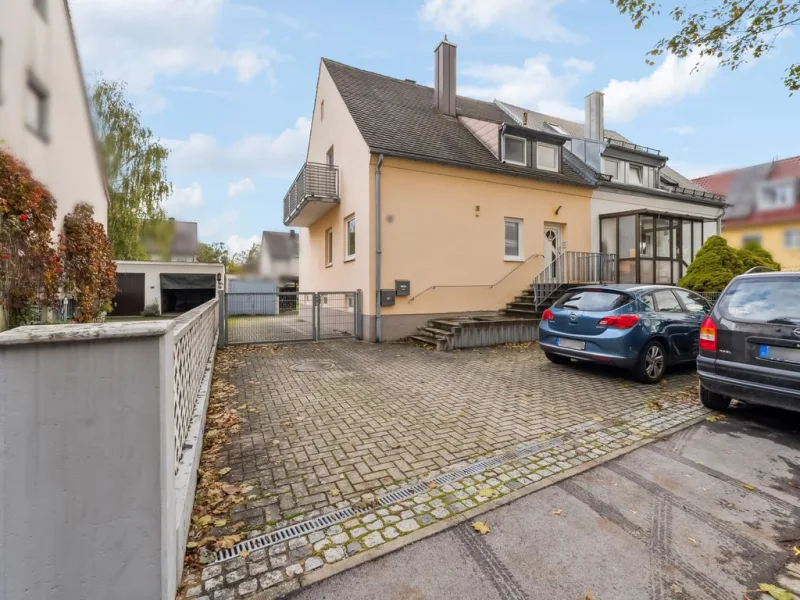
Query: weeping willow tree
x,y
136,174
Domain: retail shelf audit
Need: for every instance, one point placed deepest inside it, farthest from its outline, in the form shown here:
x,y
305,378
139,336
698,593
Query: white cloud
x,y
681,129
237,243
266,155
668,83
141,41
243,186
532,19
692,170
532,85
182,198
578,64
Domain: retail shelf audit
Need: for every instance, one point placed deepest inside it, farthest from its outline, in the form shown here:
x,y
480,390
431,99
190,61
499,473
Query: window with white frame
x,y
350,238
636,174
513,239
791,238
776,195
514,150
329,247
611,167
546,157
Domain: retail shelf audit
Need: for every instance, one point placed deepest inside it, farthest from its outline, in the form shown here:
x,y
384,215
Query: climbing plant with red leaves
x,y
90,274
30,268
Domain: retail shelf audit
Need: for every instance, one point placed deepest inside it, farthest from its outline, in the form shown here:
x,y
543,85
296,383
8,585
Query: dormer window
x,y
515,150
776,195
635,174
546,157
559,130
611,167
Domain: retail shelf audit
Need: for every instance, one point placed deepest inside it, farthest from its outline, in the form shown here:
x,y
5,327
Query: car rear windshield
x,y
593,300
762,299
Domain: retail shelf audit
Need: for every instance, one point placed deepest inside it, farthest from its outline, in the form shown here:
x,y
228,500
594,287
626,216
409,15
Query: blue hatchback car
x,y
644,328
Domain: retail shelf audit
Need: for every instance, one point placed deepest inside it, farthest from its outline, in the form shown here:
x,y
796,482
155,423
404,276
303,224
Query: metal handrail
x,y
315,180
631,145
472,285
573,267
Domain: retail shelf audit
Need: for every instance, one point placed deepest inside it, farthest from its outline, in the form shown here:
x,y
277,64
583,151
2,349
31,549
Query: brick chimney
x,y
444,90
593,125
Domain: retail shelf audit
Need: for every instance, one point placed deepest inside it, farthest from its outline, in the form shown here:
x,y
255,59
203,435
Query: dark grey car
x,y
750,343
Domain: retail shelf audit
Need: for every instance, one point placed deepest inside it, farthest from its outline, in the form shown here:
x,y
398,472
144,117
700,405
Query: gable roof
x,y
398,118
281,245
538,121
719,183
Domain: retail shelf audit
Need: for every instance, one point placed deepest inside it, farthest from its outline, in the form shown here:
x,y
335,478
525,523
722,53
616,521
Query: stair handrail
x,y
570,267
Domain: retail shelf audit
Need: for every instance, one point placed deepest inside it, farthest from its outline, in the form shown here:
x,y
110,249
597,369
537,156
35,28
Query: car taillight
x,y
548,315
708,335
619,321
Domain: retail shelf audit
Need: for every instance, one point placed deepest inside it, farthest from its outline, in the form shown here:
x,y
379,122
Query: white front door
x,y
552,247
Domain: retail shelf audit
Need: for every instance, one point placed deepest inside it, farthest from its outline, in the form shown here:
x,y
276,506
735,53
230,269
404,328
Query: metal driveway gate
x,y
264,317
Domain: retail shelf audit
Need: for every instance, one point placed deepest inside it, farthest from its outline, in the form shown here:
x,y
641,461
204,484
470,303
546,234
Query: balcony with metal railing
x,y
313,193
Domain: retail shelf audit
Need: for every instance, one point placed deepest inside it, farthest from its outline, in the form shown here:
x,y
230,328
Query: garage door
x,y
181,292
129,300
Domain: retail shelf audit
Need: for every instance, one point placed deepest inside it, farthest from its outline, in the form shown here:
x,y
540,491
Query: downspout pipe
x,y
378,248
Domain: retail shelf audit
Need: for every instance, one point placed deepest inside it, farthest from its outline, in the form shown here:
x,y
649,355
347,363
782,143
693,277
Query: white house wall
x,y
607,201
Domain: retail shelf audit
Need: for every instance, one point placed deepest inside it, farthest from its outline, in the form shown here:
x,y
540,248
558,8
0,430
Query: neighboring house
x,y
764,207
452,205
279,256
182,246
44,110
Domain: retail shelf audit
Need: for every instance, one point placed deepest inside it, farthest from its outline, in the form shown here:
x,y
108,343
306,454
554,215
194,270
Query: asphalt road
x,y
672,520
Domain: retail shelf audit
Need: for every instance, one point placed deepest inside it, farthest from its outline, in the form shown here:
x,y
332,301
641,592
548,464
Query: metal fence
x,y
712,297
265,317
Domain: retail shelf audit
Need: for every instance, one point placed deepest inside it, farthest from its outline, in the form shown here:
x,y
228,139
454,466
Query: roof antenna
x,y
445,37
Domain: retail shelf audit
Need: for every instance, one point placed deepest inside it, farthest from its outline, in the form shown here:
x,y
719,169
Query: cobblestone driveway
x,y
385,413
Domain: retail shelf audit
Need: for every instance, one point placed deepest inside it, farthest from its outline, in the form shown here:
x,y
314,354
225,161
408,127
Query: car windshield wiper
x,y
784,321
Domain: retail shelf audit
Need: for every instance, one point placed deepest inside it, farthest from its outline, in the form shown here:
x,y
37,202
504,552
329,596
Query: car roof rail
x,y
759,269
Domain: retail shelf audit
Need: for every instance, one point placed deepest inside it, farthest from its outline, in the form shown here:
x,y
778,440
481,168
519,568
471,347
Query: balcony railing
x,y
632,146
314,191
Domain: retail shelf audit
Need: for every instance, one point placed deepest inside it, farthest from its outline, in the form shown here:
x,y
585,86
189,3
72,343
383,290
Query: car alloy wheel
x,y
654,362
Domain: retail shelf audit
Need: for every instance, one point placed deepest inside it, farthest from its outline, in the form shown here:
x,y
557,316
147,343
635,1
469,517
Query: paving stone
x,y
390,533
321,545
278,549
257,555
279,560
352,523
524,481
447,488
298,542
407,514
213,583
316,536
271,578
391,519
258,568
334,529
335,554
194,591
294,570
248,587
235,576
396,508
462,494
368,518
226,594
299,554
437,503
313,562
353,548
358,532
502,489
382,512
373,539
375,525
435,493
441,513
422,508
211,571
471,491
425,519
340,538
457,507
233,564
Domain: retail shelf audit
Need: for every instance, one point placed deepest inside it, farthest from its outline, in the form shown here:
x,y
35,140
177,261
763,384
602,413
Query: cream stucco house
x,y
435,204
44,110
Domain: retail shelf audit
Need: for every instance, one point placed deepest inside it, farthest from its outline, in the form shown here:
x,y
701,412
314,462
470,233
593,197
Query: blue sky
x,y
229,84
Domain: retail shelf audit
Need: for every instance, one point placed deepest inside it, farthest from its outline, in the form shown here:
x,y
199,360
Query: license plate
x,y
571,344
779,353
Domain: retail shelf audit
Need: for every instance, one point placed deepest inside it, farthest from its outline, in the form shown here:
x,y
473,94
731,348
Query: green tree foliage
x,y
135,165
753,255
728,31
714,266
248,261
216,252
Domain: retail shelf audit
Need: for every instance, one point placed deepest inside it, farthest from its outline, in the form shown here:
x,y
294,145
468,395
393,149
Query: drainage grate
x,y
310,366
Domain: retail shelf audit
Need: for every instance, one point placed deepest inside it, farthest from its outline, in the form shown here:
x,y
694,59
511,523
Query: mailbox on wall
x,y
387,297
402,287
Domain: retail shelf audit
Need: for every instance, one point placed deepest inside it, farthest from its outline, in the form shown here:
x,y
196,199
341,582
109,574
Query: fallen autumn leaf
x,y
481,527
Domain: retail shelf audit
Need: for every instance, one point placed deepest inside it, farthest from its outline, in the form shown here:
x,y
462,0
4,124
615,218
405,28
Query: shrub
x,y
30,269
152,309
714,266
754,255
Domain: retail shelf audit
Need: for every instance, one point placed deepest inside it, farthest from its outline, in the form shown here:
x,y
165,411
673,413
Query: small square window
x,y
791,238
546,157
513,239
329,247
635,174
611,167
350,238
514,150
36,107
